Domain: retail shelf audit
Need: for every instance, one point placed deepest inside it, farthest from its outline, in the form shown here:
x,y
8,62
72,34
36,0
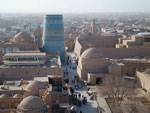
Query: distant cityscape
x,y
75,63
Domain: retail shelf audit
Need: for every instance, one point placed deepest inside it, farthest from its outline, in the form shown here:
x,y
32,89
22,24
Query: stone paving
x,y
103,105
92,105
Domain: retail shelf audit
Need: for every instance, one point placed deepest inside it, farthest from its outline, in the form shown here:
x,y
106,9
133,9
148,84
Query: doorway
x,y
99,80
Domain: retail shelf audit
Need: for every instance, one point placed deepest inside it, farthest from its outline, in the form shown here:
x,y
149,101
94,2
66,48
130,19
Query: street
x,y
91,106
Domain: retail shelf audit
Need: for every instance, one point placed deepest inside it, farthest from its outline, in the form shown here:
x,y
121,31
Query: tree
x,y
115,89
133,109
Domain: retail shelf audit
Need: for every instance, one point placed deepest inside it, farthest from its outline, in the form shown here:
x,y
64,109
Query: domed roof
x,y
4,96
22,37
91,53
88,38
29,103
17,96
34,87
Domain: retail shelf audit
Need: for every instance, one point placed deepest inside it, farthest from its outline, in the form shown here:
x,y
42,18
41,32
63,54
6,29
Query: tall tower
x,y
93,26
53,35
38,37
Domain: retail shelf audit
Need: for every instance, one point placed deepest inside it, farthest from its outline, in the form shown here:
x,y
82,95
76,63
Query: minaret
x,y
53,35
93,29
38,37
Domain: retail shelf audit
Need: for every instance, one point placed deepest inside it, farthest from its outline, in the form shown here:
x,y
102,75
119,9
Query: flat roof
x,y
97,74
136,59
54,76
119,64
31,66
42,79
34,51
25,54
143,34
9,88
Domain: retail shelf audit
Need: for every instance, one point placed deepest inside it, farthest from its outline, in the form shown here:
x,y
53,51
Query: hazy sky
x,y
74,6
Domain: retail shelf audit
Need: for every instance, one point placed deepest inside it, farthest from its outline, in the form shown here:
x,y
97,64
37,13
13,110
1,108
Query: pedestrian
x,y
74,81
85,99
79,95
79,103
82,96
80,111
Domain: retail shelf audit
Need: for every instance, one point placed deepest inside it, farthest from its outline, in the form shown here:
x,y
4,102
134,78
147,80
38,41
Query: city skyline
x,y
73,6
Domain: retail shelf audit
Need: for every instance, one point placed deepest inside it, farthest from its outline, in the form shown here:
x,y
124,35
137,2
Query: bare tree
x,y
115,89
133,109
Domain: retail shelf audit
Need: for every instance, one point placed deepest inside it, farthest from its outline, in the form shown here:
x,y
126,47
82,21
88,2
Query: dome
x,y
30,104
88,38
17,96
4,96
22,37
33,87
91,53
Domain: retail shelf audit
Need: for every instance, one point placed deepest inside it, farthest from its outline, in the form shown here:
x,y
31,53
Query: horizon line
x,y
74,12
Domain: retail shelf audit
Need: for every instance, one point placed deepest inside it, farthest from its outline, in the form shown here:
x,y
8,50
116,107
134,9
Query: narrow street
x,y
91,106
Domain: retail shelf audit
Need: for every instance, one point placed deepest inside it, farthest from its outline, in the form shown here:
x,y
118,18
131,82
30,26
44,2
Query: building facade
x,y
20,42
144,79
30,58
99,60
141,40
29,64
53,35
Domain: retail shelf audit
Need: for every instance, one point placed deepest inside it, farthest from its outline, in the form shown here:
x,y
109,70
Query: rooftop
x,y
97,74
147,72
10,88
143,34
30,59
55,76
22,37
30,53
33,103
41,79
136,60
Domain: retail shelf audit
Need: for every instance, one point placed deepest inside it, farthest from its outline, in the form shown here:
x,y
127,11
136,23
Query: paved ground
x,y
101,100
103,105
92,105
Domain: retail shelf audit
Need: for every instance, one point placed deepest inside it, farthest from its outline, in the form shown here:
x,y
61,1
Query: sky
x,y
73,6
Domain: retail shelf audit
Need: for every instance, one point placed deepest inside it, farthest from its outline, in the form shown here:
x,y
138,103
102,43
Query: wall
x,y
91,65
94,41
9,103
77,48
28,73
144,80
